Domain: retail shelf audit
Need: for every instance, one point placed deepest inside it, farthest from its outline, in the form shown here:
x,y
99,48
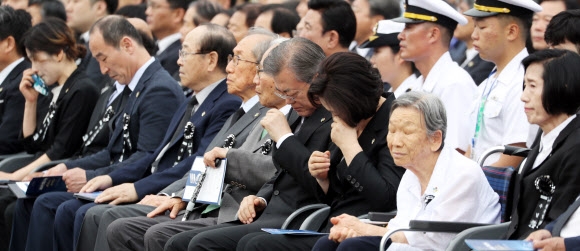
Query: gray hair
x,y
269,45
261,46
300,55
431,108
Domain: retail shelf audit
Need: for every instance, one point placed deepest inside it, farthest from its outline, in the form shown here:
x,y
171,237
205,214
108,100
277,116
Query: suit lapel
x,y
310,124
198,115
247,119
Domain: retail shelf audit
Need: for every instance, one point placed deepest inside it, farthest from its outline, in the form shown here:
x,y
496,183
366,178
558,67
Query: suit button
x,y
360,188
276,192
352,181
356,185
228,190
232,182
243,186
348,177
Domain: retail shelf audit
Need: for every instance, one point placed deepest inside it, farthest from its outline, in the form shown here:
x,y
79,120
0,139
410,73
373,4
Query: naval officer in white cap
x,y
429,26
386,57
497,114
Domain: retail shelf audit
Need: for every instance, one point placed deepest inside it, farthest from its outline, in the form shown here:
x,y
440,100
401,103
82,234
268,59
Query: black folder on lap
x,y
38,186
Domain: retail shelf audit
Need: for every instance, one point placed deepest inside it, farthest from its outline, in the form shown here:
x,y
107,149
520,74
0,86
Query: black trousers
x,y
7,200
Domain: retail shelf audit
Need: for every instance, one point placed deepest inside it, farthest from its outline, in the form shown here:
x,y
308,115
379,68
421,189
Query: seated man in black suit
x,y
293,64
13,25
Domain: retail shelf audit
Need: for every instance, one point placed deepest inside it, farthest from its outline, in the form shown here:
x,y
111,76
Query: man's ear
x,y
434,34
333,39
512,31
7,45
213,58
127,45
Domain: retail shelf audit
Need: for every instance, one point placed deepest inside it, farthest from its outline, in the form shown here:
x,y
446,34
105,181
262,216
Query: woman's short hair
x,y
349,84
52,36
431,108
561,76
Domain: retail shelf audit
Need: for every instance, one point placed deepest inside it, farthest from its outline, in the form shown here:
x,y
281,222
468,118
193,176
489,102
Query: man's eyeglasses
x,y
182,53
259,70
286,95
236,59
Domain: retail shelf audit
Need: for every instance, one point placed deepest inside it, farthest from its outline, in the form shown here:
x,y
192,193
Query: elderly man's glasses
x,y
236,59
259,70
288,94
182,53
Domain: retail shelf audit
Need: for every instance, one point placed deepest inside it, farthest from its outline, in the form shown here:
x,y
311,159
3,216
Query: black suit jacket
x,y
292,186
372,174
151,105
11,110
563,167
168,58
101,139
479,69
75,104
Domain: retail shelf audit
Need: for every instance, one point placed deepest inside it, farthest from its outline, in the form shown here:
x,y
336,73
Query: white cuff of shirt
x,y
264,200
281,140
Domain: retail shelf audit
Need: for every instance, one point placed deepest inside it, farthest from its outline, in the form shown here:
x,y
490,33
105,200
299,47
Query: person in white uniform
x,y
440,184
497,114
397,72
429,26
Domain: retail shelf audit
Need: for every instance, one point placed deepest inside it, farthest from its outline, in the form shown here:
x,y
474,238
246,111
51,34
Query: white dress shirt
x,y
504,119
455,87
162,44
460,193
547,141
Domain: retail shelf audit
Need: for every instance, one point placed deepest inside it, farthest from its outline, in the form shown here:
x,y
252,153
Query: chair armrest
x,y
14,163
442,226
516,151
315,220
382,216
49,165
300,214
431,226
5,156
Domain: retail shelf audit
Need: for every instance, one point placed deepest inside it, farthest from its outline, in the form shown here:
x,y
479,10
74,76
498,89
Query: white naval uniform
x,y
504,119
455,87
409,84
459,191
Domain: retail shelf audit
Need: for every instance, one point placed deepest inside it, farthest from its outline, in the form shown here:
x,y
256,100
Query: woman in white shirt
x,y
439,185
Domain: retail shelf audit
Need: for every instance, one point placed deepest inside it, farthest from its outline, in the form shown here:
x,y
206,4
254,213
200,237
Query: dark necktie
x,y
180,130
185,119
237,115
564,218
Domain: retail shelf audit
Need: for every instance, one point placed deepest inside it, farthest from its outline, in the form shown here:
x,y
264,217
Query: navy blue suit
x,y
150,106
11,110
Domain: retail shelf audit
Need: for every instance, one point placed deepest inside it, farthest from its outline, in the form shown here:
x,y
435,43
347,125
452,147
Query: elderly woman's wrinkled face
x,y
532,95
407,138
